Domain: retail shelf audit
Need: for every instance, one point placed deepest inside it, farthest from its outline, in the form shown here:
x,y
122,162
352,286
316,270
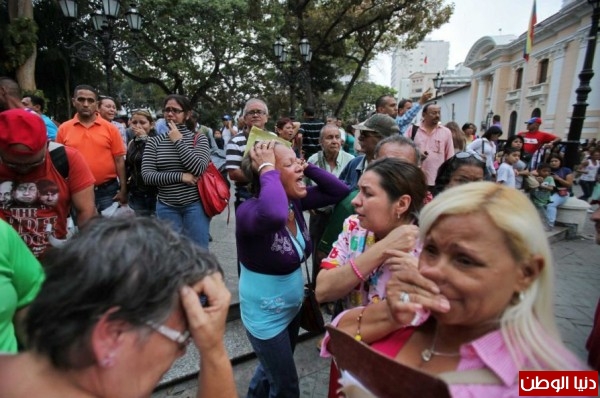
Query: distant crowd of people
x,y
428,244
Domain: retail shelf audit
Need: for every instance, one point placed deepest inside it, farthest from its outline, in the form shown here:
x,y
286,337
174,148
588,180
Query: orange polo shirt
x,y
99,144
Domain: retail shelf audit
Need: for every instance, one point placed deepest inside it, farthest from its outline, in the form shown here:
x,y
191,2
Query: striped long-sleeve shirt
x,y
165,162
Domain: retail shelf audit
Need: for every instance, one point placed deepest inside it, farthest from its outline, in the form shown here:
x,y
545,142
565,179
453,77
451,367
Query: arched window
x,y
512,123
536,113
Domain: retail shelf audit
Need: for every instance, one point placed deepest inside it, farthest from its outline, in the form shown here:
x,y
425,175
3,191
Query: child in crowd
x,y
506,173
219,140
540,196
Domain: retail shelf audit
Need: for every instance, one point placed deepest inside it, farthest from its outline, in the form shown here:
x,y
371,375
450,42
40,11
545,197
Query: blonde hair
x,y
528,327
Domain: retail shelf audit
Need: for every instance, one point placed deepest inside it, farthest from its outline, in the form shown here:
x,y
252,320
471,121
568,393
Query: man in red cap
x,y
536,139
31,166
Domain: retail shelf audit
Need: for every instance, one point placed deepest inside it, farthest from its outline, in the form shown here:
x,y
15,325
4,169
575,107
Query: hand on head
x,y
262,152
206,324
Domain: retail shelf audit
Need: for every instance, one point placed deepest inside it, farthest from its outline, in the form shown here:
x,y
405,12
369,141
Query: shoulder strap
x,y
474,376
415,128
58,155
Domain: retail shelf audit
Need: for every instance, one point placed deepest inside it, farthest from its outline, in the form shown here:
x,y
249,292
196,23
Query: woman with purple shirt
x,y
272,242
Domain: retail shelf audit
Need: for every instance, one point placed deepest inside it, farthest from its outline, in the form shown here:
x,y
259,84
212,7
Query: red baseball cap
x,y
18,126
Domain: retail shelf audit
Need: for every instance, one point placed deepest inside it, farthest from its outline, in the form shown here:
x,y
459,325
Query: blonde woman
x,y
481,297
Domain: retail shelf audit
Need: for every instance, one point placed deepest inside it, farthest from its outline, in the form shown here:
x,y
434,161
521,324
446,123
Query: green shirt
x,y
342,210
21,277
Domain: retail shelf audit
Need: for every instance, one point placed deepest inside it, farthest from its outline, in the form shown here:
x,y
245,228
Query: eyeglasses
x,y
181,338
466,155
256,112
174,111
24,166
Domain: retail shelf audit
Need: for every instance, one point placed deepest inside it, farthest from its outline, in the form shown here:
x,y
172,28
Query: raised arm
x,y
327,191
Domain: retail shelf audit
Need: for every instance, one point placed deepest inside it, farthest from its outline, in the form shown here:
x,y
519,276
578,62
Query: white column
x,y
493,91
554,86
479,102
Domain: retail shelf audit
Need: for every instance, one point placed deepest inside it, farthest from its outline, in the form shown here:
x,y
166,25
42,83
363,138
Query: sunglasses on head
x,y
466,155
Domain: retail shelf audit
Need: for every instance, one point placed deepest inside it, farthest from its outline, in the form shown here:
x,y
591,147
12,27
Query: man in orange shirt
x,y
100,144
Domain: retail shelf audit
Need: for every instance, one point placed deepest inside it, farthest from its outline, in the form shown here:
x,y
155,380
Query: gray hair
x,y
129,268
327,127
399,140
255,100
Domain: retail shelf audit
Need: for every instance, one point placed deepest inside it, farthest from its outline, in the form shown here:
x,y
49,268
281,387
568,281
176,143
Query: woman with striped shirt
x,y
173,163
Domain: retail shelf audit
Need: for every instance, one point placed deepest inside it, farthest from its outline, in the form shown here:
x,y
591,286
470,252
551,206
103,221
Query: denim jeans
x,y
276,374
190,220
587,187
552,207
143,204
104,194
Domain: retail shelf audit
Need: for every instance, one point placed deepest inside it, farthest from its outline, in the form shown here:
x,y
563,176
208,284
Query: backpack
x,y
60,161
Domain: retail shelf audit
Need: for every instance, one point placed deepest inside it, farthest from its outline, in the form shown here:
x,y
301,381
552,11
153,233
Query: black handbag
x,y
311,317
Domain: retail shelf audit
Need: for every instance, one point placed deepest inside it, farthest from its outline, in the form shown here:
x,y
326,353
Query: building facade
x,y
428,58
504,83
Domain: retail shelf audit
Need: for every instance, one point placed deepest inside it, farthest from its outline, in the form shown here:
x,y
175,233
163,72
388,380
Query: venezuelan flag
x,y
529,38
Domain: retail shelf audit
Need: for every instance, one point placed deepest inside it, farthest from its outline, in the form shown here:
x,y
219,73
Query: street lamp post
x,y
437,83
104,21
488,119
294,74
585,76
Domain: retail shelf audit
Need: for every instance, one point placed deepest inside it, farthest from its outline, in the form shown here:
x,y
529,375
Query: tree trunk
x,y
25,73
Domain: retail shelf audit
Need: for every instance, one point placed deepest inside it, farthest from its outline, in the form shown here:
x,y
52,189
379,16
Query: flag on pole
x,y
529,38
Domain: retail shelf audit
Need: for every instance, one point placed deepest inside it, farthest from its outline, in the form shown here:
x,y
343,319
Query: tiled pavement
x,y
577,292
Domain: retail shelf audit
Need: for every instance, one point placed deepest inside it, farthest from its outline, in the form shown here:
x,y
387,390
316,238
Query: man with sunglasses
x,y
101,145
372,130
28,160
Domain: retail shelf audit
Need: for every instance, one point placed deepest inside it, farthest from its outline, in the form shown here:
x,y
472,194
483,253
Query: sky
x,y
471,20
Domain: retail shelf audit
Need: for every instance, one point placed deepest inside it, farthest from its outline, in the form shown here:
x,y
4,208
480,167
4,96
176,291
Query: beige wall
x,y
562,40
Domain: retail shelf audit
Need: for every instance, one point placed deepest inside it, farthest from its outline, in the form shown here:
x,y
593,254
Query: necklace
x,y
428,353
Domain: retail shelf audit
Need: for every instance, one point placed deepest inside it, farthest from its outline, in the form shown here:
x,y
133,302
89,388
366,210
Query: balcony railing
x,y
513,96
537,91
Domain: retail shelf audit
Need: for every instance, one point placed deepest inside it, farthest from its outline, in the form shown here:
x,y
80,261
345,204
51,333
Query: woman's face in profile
x,y
373,206
465,174
468,258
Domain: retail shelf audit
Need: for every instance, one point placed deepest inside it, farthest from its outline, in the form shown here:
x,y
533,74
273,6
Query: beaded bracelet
x,y
356,271
265,164
357,335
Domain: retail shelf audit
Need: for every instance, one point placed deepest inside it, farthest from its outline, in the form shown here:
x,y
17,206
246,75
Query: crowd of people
x,y
412,246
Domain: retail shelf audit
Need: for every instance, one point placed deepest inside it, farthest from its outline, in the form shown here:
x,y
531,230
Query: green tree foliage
x,y
219,52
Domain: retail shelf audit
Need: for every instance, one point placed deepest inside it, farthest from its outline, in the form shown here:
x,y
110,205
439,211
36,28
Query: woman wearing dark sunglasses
x,y
173,163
